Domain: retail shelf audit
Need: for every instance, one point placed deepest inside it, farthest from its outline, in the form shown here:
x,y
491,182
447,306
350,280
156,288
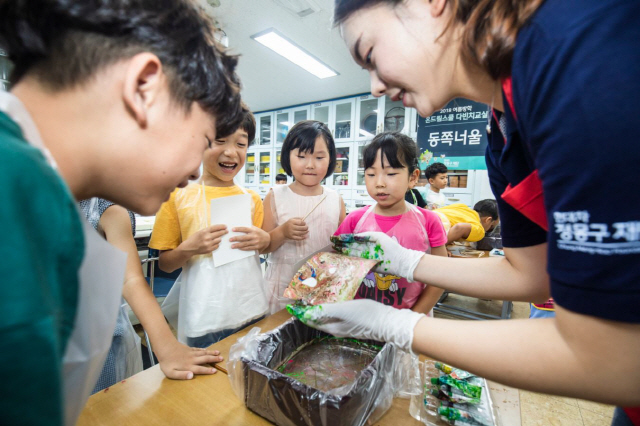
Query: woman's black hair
x,y
399,150
65,43
344,8
302,136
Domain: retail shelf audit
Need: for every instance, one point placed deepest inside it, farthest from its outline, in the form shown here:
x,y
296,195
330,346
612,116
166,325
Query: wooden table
x,y
150,398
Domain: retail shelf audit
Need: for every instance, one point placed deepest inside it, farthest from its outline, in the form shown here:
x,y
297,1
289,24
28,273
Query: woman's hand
x,y
181,362
254,239
396,259
295,229
204,241
363,319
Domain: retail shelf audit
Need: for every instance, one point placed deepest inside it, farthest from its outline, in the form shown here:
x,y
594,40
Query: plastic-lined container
x,y
253,370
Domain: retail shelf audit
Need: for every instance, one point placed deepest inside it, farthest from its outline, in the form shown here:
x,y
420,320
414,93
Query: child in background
x,y
436,175
118,226
281,179
461,222
214,302
309,155
391,167
177,361
414,197
542,310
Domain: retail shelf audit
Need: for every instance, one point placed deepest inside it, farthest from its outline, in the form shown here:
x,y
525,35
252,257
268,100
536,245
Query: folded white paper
x,y
234,211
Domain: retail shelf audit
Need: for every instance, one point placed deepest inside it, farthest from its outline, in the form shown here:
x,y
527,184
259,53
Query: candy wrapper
x,y
360,246
328,278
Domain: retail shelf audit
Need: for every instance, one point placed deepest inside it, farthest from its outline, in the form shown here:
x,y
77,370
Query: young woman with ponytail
x,y
561,77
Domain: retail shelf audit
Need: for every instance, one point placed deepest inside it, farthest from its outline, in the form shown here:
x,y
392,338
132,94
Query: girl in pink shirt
x,y
391,167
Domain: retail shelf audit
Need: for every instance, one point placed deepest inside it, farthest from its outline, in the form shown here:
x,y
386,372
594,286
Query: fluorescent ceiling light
x,y
287,48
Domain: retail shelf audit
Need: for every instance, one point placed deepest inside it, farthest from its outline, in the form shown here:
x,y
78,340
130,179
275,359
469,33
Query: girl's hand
x,y
181,362
295,229
255,239
205,241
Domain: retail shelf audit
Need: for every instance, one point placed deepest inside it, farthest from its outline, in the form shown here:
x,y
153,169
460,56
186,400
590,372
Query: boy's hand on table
x,y
254,239
180,362
295,229
396,259
205,241
364,319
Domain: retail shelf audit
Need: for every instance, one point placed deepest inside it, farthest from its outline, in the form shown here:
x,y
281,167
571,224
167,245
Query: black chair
x,y
159,281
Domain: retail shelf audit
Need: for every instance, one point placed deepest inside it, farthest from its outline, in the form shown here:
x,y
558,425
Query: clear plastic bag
x,y
424,407
329,364
407,375
252,367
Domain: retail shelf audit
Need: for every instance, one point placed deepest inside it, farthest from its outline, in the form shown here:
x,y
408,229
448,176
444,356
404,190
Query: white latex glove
x,y
396,259
364,319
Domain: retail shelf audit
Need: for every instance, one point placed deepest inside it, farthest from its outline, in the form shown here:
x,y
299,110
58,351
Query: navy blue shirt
x,y
576,87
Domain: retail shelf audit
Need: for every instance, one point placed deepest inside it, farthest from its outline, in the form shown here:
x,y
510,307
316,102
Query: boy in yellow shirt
x,y
214,301
461,222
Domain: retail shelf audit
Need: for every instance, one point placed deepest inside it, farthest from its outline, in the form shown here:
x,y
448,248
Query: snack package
x,y
469,390
453,396
328,278
356,246
456,373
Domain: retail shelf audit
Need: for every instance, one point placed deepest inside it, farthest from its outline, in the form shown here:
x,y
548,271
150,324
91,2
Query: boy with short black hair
x,y
436,175
215,300
461,222
281,179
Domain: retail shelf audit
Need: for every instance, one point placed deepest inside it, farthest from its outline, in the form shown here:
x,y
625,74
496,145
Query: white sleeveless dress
x,y
322,223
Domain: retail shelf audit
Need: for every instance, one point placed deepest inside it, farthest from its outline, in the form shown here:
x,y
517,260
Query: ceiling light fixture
x,y
299,8
291,51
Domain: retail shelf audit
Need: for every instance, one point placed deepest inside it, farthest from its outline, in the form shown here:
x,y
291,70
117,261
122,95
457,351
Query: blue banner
x,y
455,135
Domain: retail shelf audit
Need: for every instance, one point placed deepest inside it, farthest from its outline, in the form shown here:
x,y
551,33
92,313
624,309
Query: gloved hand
x,y
396,259
362,319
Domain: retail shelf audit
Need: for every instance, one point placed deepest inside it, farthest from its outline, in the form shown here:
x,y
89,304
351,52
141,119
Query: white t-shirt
x,y
434,200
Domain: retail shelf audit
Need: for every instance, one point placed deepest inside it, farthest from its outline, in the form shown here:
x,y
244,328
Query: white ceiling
x,y
269,81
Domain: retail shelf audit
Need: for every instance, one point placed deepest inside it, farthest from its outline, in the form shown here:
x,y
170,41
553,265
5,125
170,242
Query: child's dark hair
x,y
248,123
434,170
280,176
399,150
486,208
302,136
65,43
